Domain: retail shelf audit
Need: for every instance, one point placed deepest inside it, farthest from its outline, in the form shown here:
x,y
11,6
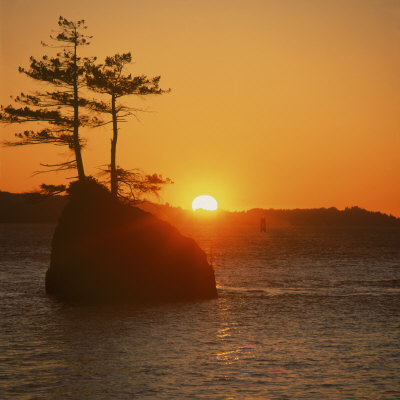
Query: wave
x,y
332,291
393,283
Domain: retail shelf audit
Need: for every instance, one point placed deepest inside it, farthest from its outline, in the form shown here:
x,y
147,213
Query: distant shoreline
x,y
37,208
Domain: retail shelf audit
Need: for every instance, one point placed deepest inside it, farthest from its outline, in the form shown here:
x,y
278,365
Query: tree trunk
x,y
77,145
113,167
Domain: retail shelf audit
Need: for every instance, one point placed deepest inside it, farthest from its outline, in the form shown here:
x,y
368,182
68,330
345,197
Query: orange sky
x,y
279,104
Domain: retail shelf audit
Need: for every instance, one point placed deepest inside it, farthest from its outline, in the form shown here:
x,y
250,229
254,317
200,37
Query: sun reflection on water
x,y
223,333
228,357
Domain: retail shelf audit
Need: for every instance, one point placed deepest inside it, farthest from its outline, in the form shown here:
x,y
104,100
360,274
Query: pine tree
x,y
110,78
59,108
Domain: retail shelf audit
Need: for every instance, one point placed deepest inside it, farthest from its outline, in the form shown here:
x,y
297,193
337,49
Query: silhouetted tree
x,y
110,78
58,108
134,183
52,190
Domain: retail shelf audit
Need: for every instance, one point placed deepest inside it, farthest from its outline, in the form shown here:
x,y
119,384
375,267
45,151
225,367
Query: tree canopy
x,y
111,78
56,115
58,108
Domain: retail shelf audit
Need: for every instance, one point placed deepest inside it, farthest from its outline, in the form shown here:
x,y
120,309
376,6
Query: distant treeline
x,y
350,216
37,208
30,208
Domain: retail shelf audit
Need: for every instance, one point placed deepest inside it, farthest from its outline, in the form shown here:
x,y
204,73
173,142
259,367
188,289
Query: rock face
x,y
104,250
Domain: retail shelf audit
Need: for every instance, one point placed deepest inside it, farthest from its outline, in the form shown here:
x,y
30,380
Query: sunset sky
x,y
273,104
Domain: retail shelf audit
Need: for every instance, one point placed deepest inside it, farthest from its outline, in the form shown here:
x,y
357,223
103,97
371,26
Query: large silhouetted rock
x,y
104,250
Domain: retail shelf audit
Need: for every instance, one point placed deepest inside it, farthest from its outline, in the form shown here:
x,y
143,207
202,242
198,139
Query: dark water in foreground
x,y
302,314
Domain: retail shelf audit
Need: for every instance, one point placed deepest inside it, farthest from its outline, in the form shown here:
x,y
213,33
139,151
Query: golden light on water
x,y
204,202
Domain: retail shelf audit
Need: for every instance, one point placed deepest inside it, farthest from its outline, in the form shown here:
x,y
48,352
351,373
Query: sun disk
x,y
204,202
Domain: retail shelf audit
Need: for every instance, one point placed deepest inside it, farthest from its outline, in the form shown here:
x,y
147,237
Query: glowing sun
x,y
204,202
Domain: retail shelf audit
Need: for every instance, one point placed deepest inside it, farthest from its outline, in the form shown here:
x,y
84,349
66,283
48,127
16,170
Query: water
x,y
305,313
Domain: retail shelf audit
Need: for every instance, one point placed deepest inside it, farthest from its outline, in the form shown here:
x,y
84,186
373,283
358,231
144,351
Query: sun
x,y
204,202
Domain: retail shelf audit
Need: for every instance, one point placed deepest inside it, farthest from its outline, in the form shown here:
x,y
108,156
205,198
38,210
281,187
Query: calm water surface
x,y
305,313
